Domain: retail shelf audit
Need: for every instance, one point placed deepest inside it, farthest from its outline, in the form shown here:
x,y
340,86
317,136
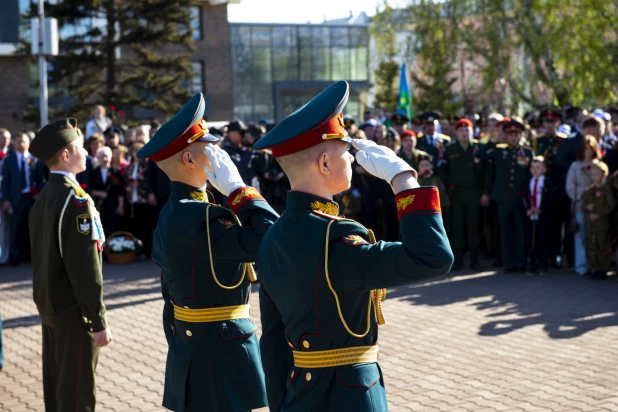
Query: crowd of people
x,y
529,193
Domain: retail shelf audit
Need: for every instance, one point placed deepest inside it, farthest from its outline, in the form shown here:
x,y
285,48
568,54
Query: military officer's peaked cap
x,y
185,128
318,121
430,116
400,117
53,137
513,126
551,114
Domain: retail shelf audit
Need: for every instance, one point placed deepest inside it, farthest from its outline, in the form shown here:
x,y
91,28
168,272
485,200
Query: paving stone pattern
x,y
467,342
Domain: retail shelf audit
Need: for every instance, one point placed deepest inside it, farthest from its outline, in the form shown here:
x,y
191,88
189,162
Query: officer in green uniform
x,y
204,251
462,174
67,239
323,276
547,146
430,140
508,175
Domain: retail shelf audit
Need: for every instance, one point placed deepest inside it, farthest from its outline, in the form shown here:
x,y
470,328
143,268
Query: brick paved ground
x,y
469,342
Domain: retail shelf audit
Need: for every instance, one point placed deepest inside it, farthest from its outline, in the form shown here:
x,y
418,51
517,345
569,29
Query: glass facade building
x,y
278,68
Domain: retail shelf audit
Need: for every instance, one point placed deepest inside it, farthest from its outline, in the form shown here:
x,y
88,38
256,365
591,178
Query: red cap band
x,y
462,123
330,130
421,200
182,142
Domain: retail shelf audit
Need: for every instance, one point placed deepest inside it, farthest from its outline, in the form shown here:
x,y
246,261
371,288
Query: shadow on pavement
x,y
564,304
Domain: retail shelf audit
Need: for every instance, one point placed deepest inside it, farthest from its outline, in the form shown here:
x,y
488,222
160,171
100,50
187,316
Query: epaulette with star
x,y
502,146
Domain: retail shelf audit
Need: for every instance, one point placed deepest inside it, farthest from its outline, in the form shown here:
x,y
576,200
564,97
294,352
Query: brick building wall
x,y
214,51
14,88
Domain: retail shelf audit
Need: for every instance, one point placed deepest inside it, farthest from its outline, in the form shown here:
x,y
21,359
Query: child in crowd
x,y
539,204
598,204
426,177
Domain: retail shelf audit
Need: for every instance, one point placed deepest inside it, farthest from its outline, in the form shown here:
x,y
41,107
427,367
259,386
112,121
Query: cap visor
x,y
347,139
208,138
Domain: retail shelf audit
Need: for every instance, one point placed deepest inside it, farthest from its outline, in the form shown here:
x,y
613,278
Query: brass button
x,y
306,344
189,333
512,177
308,376
292,375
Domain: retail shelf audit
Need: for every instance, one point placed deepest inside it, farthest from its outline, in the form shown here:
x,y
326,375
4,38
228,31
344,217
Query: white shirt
x,y
539,190
104,175
22,160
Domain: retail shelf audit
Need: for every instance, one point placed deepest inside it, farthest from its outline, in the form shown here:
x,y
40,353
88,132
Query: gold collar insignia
x,y
328,208
197,195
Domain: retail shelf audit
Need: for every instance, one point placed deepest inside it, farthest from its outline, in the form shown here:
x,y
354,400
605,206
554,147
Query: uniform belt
x,y
335,357
211,314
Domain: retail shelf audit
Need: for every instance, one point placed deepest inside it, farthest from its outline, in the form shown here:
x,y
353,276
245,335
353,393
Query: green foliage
x,y
433,46
387,73
548,51
136,55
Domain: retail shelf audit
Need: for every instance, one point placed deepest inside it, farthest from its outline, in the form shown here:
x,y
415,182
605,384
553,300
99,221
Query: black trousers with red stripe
x,y
69,362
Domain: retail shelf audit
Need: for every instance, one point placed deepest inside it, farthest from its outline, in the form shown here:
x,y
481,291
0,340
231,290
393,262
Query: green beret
x,y
53,137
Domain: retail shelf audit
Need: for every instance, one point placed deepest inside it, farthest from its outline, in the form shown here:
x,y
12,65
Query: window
x,y
196,23
197,81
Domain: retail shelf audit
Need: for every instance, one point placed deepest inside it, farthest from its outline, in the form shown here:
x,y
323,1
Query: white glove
x,y
224,176
380,161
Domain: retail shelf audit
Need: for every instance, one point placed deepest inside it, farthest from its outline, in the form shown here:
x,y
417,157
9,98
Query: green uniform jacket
x,y
508,172
212,366
462,168
66,261
298,308
547,146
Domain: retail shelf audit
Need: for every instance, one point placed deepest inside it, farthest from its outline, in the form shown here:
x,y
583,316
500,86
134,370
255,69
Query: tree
x,y
122,54
387,73
433,46
554,52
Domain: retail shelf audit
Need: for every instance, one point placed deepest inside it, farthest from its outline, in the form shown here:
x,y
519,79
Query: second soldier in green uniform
x,y
204,251
462,176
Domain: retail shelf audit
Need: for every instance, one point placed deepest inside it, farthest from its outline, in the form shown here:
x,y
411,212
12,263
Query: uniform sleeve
x,y
424,254
82,262
231,242
277,358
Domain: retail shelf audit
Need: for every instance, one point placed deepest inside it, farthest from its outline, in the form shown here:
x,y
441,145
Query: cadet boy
x,y
67,239
462,175
539,200
204,250
507,175
323,276
598,204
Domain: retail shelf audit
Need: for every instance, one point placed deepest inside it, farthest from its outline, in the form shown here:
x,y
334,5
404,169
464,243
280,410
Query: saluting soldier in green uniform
x,y
547,146
204,251
67,239
431,141
462,176
507,175
323,276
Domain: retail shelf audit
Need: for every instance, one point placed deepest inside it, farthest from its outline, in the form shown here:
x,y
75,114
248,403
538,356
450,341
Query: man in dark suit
x,y
22,179
158,186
